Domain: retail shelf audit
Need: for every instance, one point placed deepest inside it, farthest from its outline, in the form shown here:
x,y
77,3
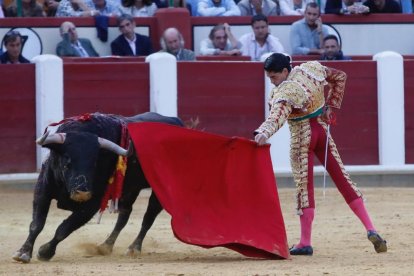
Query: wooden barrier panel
x,y
304,57
109,87
227,97
409,110
356,131
223,58
316,57
18,119
104,59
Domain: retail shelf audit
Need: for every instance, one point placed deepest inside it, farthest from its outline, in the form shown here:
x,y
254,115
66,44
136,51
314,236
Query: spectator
x,y
292,7
130,43
306,34
383,6
183,4
217,8
180,4
220,42
345,7
260,41
193,5
71,45
104,7
139,8
1,13
30,8
253,7
74,8
13,41
406,6
50,6
161,3
332,49
172,42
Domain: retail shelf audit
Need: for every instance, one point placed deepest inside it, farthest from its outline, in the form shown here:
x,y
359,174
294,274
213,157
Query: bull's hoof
x,y
22,257
46,252
104,249
132,252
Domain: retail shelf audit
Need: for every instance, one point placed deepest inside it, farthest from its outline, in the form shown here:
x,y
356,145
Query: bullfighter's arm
x,y
336,80
279,113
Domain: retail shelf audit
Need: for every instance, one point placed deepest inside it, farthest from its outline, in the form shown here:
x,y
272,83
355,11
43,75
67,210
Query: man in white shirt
x,y
260,41
217,8
220,41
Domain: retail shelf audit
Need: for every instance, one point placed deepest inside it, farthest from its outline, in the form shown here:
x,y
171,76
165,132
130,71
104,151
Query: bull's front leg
x,y
77,219
41,206
153,209
106,247
130,194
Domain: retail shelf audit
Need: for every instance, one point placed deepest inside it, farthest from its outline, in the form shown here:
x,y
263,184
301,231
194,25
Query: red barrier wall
x,y
409,110
223,58
356,132
18,119
227,97
110,87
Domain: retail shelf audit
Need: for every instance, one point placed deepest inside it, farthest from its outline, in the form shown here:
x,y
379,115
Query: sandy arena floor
x,y
339,240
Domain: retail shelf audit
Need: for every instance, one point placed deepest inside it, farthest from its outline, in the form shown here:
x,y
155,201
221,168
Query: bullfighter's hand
x,y
328,116
260,139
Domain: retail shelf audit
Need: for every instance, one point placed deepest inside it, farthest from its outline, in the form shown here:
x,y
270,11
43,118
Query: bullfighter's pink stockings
x,y
306,220
358,207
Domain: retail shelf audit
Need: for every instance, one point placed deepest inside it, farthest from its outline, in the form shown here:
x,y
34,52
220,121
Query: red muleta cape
x,y
219,191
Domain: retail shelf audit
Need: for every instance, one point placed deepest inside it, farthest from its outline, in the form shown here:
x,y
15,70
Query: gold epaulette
x,y
314,69
291,92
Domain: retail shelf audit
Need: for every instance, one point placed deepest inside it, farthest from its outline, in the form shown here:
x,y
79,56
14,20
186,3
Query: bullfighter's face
x,y
277,77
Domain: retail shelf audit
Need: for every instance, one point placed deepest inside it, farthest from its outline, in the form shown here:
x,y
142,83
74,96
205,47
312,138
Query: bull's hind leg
x,y
153,209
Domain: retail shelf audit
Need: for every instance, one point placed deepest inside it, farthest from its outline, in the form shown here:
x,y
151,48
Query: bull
x,y
83,156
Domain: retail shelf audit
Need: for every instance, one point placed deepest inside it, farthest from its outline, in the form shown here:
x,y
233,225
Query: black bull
x,y
76,174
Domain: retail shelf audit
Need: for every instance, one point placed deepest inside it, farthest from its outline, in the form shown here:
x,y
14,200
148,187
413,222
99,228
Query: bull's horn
x,y
111,146
56,138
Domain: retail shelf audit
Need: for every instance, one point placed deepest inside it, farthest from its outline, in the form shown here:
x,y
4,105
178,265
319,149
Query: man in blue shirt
x,y
306,35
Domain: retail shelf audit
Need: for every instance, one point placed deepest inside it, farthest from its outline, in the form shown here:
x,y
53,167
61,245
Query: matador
x,y
298,98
